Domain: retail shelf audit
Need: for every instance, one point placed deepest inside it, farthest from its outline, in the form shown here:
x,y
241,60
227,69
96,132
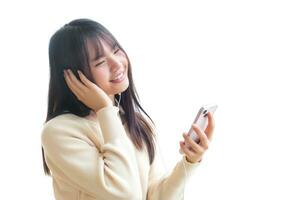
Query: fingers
x,y
204,142
85,80
75,81
195,147
210,126
190,148
185,150
70,85
74,84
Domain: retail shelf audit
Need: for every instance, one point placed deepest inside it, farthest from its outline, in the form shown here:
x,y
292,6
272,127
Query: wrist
x,y
190,161
103,106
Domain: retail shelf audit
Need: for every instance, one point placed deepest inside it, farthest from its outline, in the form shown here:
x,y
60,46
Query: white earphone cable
x,y
118,102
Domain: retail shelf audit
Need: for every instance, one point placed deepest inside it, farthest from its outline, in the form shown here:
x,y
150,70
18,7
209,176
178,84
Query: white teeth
x,y
118,77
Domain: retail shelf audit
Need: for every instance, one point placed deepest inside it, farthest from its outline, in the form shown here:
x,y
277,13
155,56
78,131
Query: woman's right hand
x,y
86,91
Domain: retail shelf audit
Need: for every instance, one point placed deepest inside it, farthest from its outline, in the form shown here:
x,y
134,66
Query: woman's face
x,y
110,70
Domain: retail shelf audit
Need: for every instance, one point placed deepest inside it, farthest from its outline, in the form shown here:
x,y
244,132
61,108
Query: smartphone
x,y
201,120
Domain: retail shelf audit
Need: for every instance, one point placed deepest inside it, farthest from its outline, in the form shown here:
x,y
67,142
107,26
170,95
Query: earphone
x,y
118,102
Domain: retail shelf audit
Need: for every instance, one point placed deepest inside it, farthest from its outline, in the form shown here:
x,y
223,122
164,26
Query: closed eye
x,y
116,51
100,63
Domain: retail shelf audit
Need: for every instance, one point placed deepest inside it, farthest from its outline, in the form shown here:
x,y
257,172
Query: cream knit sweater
x,y
97,160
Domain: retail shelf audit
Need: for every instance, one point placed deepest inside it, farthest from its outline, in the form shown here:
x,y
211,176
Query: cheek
x,y
125,63
101,76
123,60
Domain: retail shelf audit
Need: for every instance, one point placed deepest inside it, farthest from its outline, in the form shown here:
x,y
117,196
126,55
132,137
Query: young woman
x,y
98,142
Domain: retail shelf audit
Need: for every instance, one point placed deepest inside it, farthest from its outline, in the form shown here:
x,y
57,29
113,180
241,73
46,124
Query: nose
x,y
114,64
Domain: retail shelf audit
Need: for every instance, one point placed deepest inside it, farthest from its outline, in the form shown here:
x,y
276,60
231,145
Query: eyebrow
x,y
100,56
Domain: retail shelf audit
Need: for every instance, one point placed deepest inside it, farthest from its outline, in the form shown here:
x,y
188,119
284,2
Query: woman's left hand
x,y
196,150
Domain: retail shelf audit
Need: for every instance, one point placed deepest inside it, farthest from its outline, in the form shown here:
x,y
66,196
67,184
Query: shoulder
x,y
65,125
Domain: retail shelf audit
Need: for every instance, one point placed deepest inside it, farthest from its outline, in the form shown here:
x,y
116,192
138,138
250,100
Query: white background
x,y
242,55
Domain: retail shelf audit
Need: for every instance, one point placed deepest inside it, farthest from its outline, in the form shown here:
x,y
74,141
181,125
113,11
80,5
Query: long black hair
x,y
68,49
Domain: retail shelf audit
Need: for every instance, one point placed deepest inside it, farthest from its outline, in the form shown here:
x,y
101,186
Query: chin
x,y
124,88
120,89
124,85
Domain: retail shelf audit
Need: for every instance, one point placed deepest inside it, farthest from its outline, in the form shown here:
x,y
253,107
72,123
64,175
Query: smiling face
x,y
109,68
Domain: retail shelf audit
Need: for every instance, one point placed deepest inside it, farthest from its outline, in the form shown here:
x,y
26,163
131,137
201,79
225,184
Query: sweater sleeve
x,y
107,174
169,186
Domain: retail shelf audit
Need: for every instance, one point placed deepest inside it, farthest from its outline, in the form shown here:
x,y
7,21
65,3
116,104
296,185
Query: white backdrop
x,y
242,55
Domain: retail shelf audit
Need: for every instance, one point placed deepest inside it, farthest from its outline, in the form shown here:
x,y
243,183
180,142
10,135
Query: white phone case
x,y
201,120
